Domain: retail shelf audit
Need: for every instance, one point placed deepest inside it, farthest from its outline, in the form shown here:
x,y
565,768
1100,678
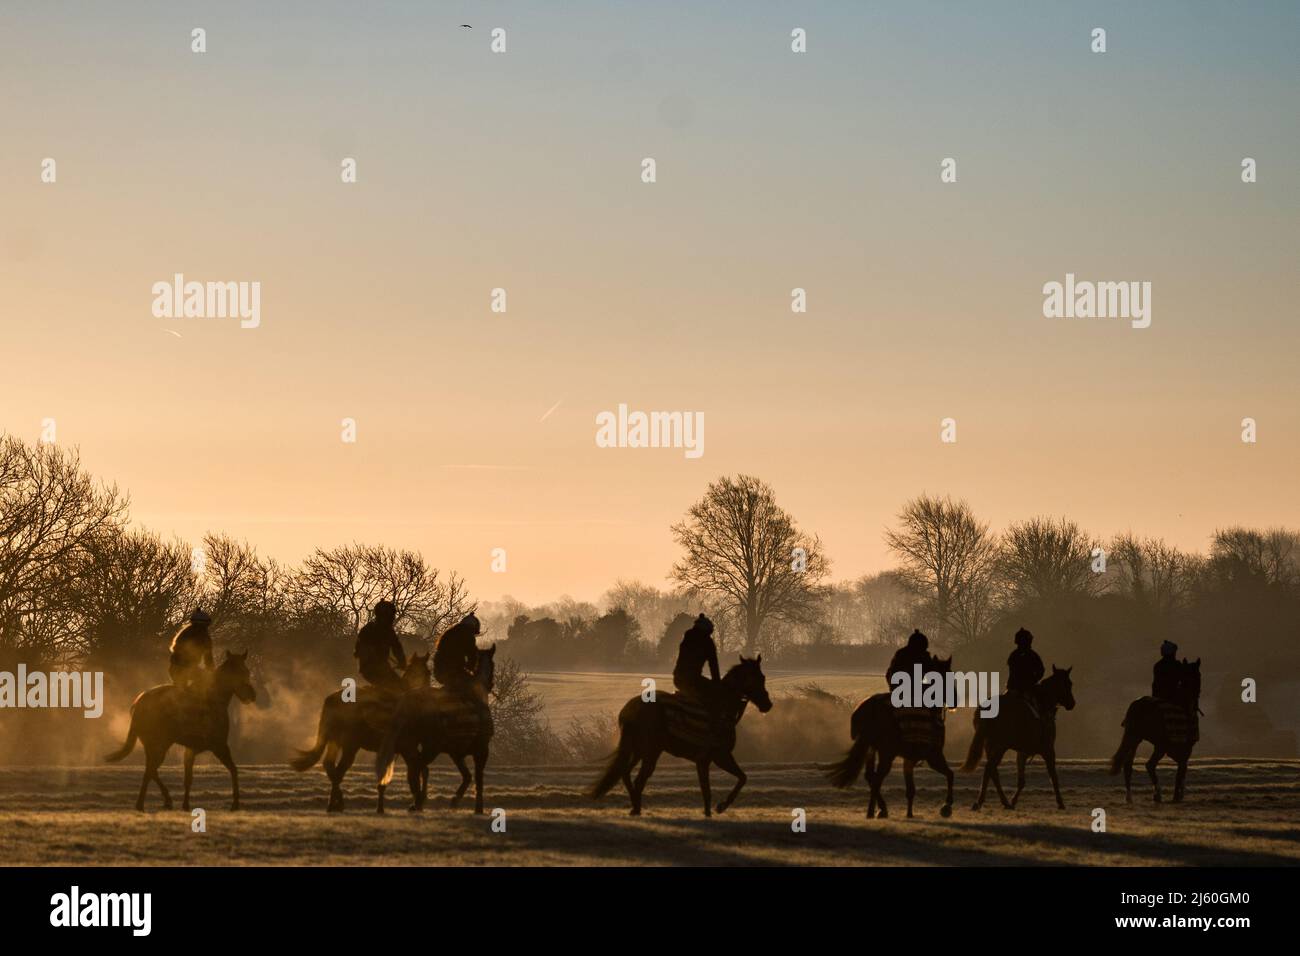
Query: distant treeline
x,y
81,586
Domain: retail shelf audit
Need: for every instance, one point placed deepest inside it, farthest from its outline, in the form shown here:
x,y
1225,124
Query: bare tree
x,y
134,590
948,557
742,547
51,514
352,579
1151,572
1048,559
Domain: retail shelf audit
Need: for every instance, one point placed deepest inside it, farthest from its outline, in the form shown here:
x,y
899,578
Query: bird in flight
x,y
467,26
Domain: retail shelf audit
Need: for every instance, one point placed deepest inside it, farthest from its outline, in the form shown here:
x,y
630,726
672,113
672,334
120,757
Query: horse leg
x,y
909,783
995,758
153,760
459,761
222,753
728,763
1151,771
1049,760
415,770
937,762
480,761
984,786
1021,760
885,763
648,762
189,777
1181,776
330,762
144,779
627,773
702,771
1128,779
347,754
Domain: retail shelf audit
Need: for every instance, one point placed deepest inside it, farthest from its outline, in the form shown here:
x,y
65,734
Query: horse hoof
x,y
1060,806
414,809
234,806
975,806
634,812
945,811
881,815
1156,799
721,808
139,807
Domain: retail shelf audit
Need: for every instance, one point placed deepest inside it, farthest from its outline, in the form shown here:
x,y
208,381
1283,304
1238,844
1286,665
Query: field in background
x,y
570,694
1238,812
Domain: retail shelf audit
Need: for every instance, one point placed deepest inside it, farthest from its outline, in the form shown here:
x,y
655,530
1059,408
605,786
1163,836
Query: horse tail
x,y
844,772
132,735
1128,744
976,747
386,756
307,758
617,765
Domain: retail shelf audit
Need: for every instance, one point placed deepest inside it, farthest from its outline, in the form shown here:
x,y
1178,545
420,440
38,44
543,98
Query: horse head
x,y
485,671
232,677
747,679
1062,688
417,673
1191,682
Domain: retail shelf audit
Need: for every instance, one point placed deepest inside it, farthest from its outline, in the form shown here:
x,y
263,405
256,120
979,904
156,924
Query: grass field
x,y
1238,812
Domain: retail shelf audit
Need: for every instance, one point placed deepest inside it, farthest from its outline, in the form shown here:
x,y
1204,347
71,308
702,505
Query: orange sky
x,y
775,171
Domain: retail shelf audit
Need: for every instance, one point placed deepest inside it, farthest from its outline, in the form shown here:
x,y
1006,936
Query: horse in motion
x,y
1170,726
346,728
197,718
645,732
878,738
435,720
1026,724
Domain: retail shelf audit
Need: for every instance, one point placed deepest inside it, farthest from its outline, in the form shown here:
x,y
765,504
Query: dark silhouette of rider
x,y
696,650
1024,666
915,651
375,643
455,656
1167,675
191,650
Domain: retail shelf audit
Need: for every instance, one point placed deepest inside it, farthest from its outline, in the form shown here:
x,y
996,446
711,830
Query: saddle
x,y
920,726
691,720
1181,726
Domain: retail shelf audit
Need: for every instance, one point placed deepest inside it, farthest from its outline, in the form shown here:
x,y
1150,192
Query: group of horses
x,y
419,722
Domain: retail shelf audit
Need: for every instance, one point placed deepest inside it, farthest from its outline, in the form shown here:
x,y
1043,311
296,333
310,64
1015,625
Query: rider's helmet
x,y
1024,638
200,618
918,642
1168,649
385,610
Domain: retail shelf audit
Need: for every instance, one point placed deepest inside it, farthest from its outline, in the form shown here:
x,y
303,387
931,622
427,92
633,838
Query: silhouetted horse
x,y
433,721
345,728
1145,720
878,739
1016,728
198,719
644,735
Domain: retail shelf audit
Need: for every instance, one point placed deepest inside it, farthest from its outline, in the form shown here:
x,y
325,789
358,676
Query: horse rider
x,y
375,643
915,651
695,651
191,651
906,658
455,656
1167,674
1024,668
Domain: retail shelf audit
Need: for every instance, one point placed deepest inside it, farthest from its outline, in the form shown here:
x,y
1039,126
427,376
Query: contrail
x,y
173,332
549,410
